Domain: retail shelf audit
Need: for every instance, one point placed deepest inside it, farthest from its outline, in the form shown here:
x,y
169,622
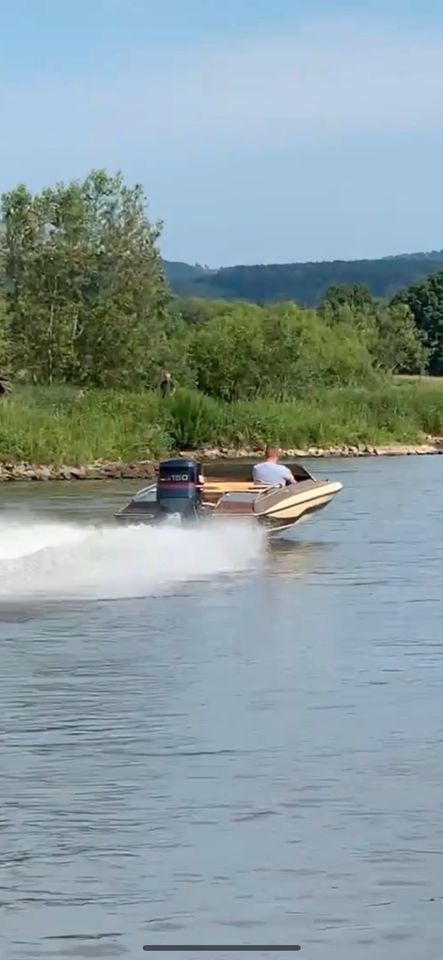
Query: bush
x,y
193,419
246,352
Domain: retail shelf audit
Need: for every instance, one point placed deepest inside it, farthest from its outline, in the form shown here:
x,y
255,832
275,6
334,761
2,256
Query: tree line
x,y
305,283
85,300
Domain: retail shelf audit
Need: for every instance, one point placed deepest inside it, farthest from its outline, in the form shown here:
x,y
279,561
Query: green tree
x,y
303,350
228,353
277,351
425,301
391,335
38,326
304,283
86,290
195,310
5,341
399,346
356,296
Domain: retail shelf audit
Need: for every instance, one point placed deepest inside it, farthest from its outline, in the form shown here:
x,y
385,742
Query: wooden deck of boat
x,y
213,488
234,486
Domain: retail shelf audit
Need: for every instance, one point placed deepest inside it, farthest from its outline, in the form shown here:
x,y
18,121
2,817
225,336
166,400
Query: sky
x,y
263,131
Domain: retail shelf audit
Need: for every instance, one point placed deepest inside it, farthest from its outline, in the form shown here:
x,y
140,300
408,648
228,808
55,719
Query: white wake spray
x,y
67,560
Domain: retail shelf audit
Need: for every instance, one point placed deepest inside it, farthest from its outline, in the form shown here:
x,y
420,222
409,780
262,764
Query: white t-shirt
x,y
275,474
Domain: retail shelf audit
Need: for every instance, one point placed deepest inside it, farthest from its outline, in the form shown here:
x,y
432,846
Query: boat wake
x,y
65,560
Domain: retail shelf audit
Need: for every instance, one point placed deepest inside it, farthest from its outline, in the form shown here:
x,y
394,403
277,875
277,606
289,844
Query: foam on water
x,y
72,561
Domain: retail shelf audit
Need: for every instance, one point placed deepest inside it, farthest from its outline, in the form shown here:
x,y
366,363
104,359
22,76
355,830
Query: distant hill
x,y
303,282
179,272
189,280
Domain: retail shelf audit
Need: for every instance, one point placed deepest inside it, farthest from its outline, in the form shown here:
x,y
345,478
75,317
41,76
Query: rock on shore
x,y
433,445
146,469
101,470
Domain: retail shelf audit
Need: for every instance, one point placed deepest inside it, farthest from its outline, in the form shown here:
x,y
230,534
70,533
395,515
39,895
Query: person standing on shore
x,y
166,384
272,472
5,386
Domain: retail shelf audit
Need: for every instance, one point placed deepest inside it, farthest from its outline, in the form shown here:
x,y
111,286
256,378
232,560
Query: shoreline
x,y
146,469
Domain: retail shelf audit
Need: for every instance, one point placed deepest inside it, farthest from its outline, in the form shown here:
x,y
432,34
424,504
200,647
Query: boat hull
x,y
275,509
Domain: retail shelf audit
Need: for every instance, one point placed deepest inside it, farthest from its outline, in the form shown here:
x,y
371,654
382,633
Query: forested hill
x,y
302,282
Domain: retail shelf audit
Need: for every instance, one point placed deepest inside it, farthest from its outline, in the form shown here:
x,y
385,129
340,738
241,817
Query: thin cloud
x,y
316,81
345,78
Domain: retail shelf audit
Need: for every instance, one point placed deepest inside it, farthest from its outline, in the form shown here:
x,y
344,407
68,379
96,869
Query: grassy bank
x,y
64,425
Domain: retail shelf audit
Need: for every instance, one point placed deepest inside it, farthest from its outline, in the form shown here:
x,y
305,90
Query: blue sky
x,y
262,130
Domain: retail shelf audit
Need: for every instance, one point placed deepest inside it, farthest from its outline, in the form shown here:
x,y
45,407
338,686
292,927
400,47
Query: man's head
x,y
272,453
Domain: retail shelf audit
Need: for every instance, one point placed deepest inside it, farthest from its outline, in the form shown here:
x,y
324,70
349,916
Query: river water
x,y
207,739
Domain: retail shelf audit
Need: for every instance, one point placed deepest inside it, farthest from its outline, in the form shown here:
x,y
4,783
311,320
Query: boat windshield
x,y
148,493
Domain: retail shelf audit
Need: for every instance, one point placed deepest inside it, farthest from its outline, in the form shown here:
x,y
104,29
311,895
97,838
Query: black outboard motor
x,y
179,490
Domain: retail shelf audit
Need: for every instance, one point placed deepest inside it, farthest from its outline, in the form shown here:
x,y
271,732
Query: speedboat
x,y
182,494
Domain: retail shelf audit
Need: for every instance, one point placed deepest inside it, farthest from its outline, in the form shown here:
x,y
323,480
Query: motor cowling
x,y
179,489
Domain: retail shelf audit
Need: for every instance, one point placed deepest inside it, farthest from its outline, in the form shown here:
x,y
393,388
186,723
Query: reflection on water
x,y
218,739
295,558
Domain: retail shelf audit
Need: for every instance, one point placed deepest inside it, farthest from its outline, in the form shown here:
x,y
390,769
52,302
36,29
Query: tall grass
x,y
67,425
342,416
64,425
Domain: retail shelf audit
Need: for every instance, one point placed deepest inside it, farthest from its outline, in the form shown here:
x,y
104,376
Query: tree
x,y
86,290
37,331
302,351
399,347
304,283
196,310
394,341
5,342
228,353
356,296
425,301
275,351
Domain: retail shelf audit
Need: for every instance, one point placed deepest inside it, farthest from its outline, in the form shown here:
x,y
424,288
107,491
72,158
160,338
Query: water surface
x,y
207,739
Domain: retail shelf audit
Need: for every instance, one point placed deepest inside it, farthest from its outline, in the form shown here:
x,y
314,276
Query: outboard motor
x,y
178,488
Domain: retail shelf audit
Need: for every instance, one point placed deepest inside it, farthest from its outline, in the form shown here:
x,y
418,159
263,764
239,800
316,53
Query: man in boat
x,y
270,471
